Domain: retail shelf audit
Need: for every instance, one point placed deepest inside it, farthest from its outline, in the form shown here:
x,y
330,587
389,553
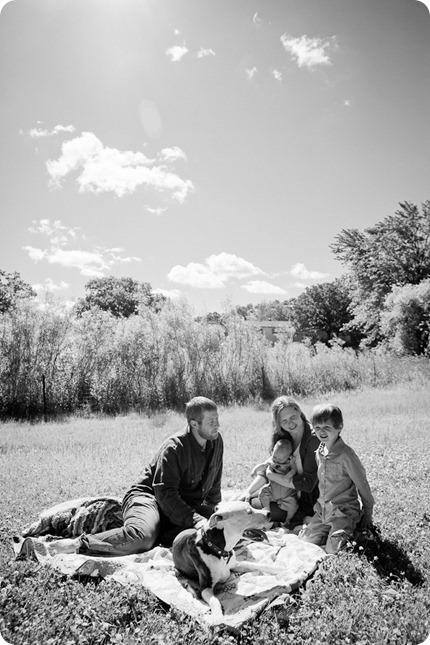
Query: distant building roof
x,y
272,323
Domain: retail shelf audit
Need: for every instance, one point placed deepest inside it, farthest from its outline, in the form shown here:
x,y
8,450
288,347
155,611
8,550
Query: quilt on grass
x,y
279,565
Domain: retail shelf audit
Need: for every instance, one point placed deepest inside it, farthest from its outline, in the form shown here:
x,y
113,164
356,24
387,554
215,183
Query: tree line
x,y
124,347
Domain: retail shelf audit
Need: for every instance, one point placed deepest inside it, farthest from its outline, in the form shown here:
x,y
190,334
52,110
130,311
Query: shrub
x,y
152,361
405,321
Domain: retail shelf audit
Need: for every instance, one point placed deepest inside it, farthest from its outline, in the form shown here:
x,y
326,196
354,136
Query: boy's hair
x,y
326,412
195,408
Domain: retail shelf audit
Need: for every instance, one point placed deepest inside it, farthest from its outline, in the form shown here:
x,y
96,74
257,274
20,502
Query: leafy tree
x,y
396,251
273,310
265,310
212,318
122,297
12,289
405,321
322,311
245,311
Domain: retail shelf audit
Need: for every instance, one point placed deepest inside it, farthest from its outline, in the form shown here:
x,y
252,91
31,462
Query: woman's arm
x,y
307,480
283,480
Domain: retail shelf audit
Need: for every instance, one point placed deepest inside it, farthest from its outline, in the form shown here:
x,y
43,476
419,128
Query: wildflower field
x,y
373,593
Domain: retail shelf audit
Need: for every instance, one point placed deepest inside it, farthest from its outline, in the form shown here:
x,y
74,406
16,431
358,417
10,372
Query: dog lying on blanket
x,y
207,554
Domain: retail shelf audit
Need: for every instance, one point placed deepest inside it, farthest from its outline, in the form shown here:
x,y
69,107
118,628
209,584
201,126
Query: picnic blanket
x,y
280,565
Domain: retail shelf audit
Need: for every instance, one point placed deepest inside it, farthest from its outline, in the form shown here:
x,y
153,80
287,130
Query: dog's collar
x,y
214,548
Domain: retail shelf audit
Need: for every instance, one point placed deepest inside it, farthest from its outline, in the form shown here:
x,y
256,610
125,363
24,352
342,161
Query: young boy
x,y
342,484
281,500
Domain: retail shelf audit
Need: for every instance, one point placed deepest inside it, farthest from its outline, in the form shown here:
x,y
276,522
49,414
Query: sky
x,y
213,148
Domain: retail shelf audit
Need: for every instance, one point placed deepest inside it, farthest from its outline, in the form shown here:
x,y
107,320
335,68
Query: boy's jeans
x,y
331,525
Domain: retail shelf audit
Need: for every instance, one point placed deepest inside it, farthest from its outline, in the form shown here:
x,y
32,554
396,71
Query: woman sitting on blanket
x,y
289,422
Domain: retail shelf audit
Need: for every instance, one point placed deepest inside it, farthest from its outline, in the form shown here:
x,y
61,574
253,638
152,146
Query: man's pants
x,y
143,528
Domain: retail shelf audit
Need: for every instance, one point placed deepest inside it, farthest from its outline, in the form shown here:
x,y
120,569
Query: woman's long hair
x,y
279,404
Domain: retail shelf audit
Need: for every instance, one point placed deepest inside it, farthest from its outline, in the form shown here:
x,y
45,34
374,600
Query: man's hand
x,y
365,522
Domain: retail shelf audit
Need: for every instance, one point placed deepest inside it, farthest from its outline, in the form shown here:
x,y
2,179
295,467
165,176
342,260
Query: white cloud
x,y
89,263
58,233
93,262
250,73
34,254
50,285
173,294
309,52
155,211
347,103
102,169
260,286
176,52
256,20
195,275
302,273
227,265
38,133
202,53
216,271
172,154
114,256
277,74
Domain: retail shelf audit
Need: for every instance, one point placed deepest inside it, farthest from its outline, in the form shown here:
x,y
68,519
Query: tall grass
x,y
371,594
156,361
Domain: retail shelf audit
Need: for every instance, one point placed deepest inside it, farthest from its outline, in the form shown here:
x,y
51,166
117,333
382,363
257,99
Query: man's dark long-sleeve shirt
x,y
183,475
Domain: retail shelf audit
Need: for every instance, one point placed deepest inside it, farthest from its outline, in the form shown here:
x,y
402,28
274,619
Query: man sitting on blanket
x,y
179,489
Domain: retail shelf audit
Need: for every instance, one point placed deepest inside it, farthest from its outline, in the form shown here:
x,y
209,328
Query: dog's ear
x,y
214,519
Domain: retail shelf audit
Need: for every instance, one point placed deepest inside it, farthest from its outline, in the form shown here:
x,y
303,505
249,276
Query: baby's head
x,y
281,452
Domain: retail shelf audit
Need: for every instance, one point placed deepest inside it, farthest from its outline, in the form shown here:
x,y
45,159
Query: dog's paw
x,y
213,603
214,619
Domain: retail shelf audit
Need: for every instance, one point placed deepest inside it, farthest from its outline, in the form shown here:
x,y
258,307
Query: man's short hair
x,y
195,408
325,412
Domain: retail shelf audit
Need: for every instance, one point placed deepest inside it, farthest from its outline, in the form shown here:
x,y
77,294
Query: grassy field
x,y
371,594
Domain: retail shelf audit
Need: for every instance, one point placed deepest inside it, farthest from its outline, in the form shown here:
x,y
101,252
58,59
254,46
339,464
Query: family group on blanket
x,y
311,482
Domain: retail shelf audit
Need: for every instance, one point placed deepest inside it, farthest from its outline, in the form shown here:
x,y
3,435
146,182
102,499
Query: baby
x,y
281,500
